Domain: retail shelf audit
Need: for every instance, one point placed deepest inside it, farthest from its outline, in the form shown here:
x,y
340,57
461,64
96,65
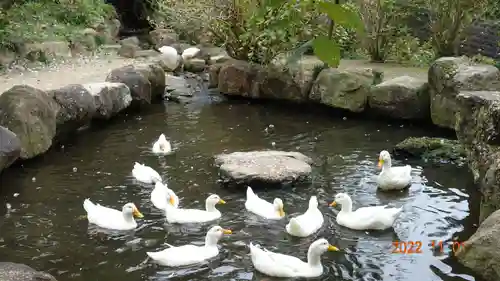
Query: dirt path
x,y
76,71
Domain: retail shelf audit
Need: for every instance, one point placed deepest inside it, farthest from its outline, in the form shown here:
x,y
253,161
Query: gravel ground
x,y
74,71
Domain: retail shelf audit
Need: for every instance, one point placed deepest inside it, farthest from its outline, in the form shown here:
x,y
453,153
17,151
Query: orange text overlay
x,y
417,247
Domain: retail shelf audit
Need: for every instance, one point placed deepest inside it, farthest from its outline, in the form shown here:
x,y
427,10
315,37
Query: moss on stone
x,y
433,149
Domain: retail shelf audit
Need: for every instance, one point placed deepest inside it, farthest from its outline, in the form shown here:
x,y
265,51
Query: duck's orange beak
x,y
137,214
172,200
380,163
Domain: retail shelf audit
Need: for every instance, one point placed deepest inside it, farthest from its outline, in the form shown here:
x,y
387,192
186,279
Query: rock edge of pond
x,y
458,94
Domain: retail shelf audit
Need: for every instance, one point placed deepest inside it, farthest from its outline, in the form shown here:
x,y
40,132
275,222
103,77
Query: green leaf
x,y
343,16
327,50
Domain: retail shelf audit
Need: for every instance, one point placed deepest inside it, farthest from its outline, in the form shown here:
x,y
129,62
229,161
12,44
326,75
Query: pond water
x,y
45,229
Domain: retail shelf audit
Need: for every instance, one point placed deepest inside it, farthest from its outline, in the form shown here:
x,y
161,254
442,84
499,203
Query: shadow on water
x,y
45,229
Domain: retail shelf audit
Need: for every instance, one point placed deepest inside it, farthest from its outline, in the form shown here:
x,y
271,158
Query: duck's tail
x,y
88,205
396,212
293,226
153,255
162,138
250,192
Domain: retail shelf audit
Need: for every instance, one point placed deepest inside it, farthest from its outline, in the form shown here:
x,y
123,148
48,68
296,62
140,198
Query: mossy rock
x,y
431,149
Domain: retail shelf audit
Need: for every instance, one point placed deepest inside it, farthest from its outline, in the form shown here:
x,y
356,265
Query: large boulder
x,y
263,167
239,78
481,252
109,98
344,89
195,65
10,148
139,84
156,75
77,108
303,71
10,271
450,75
402,97
31,114
478,129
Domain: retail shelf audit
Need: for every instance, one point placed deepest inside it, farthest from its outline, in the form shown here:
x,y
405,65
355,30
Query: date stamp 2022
x,y
417,247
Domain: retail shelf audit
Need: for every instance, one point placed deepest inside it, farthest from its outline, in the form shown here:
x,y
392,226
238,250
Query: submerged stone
x,y
10,271
433,149
264,167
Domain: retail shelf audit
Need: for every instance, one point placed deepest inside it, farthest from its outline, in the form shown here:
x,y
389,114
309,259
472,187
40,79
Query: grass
x,y
49,20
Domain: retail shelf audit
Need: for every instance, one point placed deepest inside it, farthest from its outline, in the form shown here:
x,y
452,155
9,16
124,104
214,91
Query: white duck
x,y
392,178
190,254
171,58
365,218
307,223
280,265
190,53
263,208
110,218
161,196
175,215
162,145
145,174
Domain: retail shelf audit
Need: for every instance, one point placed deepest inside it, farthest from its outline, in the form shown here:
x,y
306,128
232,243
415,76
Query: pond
x,y
44,227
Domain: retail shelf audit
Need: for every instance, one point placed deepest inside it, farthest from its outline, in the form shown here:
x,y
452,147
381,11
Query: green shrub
x,y
383,21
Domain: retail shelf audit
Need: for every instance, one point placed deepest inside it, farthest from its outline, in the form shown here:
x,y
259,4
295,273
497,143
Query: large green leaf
x,y
327,50
342,15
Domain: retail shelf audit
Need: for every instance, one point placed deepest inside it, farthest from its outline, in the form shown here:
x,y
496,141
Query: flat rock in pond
x,y
10,271
433,149
268,167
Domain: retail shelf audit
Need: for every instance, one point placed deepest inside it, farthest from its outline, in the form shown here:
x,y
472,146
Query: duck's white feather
x,y
170,57
145,174
260,206
369,218
190,53
191,254
307,223
106,217
160,196
392,178
191,215
366,218
280,265
162,145
183,255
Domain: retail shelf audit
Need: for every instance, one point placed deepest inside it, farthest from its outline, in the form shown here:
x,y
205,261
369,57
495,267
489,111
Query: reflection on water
x,y
45,228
